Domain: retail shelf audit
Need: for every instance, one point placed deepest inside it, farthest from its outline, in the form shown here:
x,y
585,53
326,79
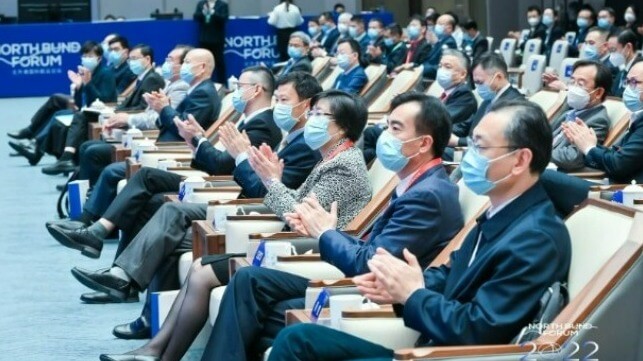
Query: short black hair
x,y
91,47
433,18
590,8
306,86
358,19
266,76
316,21
609,11
491,60
328,16
185,49
470,24
353,44
395,29
349,111
528,128
146,50
377,20
535,8
432,119
603,78
628,37
604,33
339,5
417,18
121,40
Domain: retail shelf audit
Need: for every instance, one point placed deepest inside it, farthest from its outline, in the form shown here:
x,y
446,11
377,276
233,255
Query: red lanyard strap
x,y
422,170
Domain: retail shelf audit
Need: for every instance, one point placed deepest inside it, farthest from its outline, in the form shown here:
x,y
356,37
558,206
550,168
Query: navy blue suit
x,y
423,219
102,86
433,60
461,103
124,77
298,159
260,129
203,103
352,81
579,39
523,250
301,64
394,56
329,40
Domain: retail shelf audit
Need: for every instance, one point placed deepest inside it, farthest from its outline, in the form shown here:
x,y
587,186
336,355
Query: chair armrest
x,y
151,134
94,130
131,167
120,153
611,187
314,257
219,178
235,201
162,145
587,172
385,311
254,217
344,282
458,351
206,240
236,263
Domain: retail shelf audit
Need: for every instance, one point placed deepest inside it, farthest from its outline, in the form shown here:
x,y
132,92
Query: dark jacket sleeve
x,y
461,104
151,83
416,216
395,59
481,47
102,86
422,53
302,65
199,103
620,163
356,82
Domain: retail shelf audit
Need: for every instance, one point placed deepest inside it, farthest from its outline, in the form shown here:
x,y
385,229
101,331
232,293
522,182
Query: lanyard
x,y
340,148
422,170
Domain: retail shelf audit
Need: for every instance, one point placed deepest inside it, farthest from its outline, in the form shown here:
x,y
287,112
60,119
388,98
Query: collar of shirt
x,y
359,38
194,86
637,115
492,211
404,183
604,59
346,72
450,90
140,77
248,119
504,89
294,134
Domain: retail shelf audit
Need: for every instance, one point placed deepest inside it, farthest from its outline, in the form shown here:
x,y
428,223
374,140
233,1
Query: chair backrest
x,y
319,64
470,203
435,90
565,70
597,230
403,82
558,53
570,36
532,79
532,47
238,228
490,41
619,118
508,50
376,74
379,176
328,82
550,101
151,158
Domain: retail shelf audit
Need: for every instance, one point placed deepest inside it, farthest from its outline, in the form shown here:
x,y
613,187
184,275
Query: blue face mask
x,y
282,114
313,30
238,102
343,61
136,66
484,90
105,48
114,57
438,30
316,131
352,32
186,73
373,33
603,23
413,31
632,99
295,53
166,70
325,28
548,20
589,52
582,23
474,169
444,77
388,42
389,152
89,62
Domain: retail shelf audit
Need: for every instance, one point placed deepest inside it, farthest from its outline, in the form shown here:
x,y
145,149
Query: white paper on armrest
x,y
65,119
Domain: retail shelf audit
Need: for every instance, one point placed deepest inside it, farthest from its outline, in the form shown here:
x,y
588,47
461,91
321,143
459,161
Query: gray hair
x,y
344,16
301,35
462,59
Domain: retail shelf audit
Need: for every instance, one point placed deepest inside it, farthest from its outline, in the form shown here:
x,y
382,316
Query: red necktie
x,y
443,96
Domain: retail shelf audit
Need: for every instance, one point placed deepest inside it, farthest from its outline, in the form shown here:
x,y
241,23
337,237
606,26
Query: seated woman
x,y
335,122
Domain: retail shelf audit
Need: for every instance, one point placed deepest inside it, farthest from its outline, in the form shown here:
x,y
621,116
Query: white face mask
x,y
577,97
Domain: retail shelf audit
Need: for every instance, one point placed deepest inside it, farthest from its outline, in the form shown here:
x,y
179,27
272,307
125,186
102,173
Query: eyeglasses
x,y
472,145
314,112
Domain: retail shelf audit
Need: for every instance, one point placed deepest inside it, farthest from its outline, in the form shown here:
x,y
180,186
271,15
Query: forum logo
x,y
37,58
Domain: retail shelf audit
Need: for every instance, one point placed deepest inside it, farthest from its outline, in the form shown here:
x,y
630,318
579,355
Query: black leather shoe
x,y
139,329
114,287
80,239
66,224
104,357
20,134
100,297
60,167
32,154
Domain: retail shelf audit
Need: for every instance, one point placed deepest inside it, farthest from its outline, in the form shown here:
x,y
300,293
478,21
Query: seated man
x,y
133,207
393,52
624,57
536,28
94,80
168,228
493,284
118,54
418,47
554,30
298,51
141,63
353,78
376,33
441,38
475,44
584,20
605,20
492,84
590,81
357,32
423,215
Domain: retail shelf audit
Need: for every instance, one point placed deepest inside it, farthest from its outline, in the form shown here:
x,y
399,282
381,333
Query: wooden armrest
x,y
256,217
236,201
151,133
303,316
170,144
171,198
206,240
219,178
111,105
94,130
344,282
595,174
224,189
463,149
120,153
131,111
459,351
275,236
515,70
385,311
313,257
603,188
131,167
236,263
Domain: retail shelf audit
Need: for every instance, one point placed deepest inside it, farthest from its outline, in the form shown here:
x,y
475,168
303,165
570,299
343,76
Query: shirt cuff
x,y
324,232
242,157
588,149
196,151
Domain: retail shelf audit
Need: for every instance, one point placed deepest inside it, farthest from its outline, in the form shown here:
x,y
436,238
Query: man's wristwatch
x,y
195,141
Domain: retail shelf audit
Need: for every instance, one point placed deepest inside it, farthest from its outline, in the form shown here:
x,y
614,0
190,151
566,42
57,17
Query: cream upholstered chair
x,y
376,74
434,89
619,117
508,50
490,41
320,66
532,77
328,82
558,53
570,36
403,82
532,47
549,101
565,70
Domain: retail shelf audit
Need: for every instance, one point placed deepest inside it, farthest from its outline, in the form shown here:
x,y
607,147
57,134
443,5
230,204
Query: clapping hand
x,y
579,134
118,120
313,217
75,79
265,163
157,100
391,279
188,129
234,141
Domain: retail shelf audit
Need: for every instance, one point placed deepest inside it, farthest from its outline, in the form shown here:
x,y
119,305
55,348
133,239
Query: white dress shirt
x,y
282,19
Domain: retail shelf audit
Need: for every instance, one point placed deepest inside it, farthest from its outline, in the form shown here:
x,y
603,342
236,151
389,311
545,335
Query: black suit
x,y
619,81
302,64
540,31
461,103
212,33
329,40
554,33
395,56
480,46
421,52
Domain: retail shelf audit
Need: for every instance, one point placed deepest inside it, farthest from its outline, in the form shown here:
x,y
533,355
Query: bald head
x,y
448,22
202,63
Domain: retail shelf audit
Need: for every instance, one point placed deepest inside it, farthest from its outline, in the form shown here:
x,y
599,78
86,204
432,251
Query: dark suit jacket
x,y
329,40
378,42
480,46
102,86
353,81
524,249
433,60
203,103
213,31
566,155
552,34
260,129
298,159
461,103
579,39
465,128
622,162
540,31
394,56
421,52
124,77
614,70
618,87
364,42
303,64
423,219
151,82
